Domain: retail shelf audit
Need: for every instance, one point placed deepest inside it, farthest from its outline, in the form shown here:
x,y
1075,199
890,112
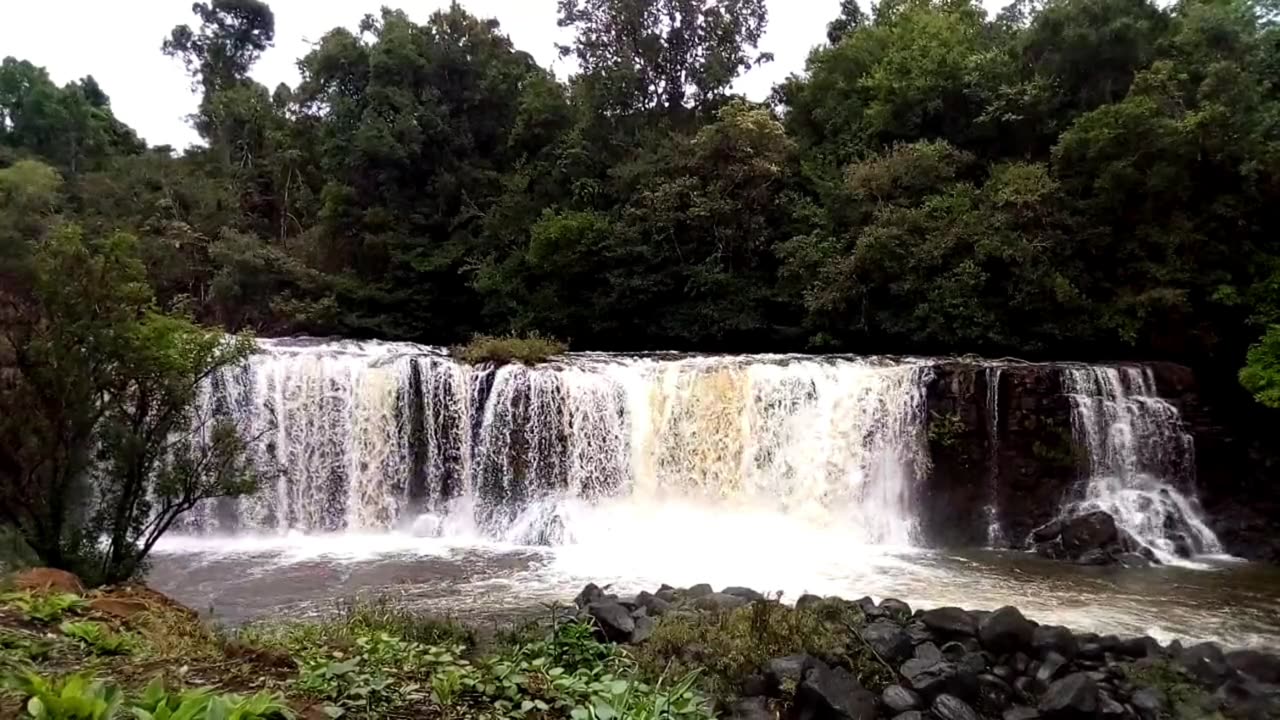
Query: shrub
x,y
72,698
99,638
43,607
530,350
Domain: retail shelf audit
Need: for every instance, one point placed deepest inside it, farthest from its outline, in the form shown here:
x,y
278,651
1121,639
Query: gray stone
x,y
1109,708
994,694
781,670
1206,663
1096,556
808,602
974,663
827,693
643,629
1260,666
1005,631
745,593
591,593
953,651
950,707
1086,532
1053,662
910,715
1004,672
1021,712
896,608
653,604
1148,703
751,708
899,699
1054,638
888,640
666,594
928,651
699,590
1074,696
718,601
918,632
613,619
1139,647
931,679
950,621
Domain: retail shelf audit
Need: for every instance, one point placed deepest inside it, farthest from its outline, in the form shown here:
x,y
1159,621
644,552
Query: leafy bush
x,y
100,639
530,350
157,703
43,607
72,698
730,645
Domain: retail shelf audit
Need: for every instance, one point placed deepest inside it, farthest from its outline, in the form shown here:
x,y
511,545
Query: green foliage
x,y
530,350
99,638
725,647
946,429
44,608
1183,697
72,698
1261,373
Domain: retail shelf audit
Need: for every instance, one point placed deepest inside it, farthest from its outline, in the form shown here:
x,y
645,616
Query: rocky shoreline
x,y
954,664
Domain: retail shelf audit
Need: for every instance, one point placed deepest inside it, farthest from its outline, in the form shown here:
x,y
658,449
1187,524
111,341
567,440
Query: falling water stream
x,y
480,490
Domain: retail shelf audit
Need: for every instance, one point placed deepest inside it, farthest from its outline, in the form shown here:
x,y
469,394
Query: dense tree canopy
x,y
1071,178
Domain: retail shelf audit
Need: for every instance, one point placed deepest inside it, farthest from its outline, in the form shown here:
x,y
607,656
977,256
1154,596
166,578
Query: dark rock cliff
x,y
1001,438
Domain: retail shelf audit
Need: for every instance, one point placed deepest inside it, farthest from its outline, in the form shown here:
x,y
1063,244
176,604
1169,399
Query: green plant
x,y
23,646
946,429
529,350
43,607
71,698
99,637
1183,697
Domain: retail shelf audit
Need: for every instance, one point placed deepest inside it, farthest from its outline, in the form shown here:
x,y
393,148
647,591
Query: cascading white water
x,y
995,534
354,436
1141,462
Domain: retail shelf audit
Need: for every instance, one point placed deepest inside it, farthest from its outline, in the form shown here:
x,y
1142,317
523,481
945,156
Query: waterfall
x,y
995,534
369,435
1140,460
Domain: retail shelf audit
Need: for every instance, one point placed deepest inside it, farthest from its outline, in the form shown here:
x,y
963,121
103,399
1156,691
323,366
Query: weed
x,y
1183,696
157,703
72,698
45,608
99,638
530,350
946,429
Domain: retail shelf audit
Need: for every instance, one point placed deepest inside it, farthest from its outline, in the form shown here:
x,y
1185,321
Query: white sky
x,y
119,44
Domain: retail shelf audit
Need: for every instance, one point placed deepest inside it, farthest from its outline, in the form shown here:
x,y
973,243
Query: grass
x,y
1183,697
501,350
353,619
728,646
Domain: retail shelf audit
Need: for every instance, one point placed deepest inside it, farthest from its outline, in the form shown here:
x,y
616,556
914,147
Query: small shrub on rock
x,y
529,350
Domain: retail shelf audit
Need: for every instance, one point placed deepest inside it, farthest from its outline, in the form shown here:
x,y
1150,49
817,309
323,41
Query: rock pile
x,y
956,664
1090,539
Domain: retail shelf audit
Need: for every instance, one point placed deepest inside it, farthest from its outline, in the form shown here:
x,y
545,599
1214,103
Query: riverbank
x,y
673,653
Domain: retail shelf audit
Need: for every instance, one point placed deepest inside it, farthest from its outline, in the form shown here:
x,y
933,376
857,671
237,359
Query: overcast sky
x,y
119,44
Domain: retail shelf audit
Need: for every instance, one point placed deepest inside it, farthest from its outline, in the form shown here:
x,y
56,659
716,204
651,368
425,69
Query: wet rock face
x,y
1089,539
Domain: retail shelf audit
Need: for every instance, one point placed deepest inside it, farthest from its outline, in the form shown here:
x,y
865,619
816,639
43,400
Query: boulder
x,y
994,694
932,678
718,601
1049,667
751,708
743,592
666,594
808,602
1074,696
1260,666
888,640
614,620
1096,556
1109,708
1139,647
899,699
1048,531
918,632
1053,638
827,693
974,663
47,580
896,609
698,590
953,651
949,621
1148,703
643,629
950,707
591,593
1206,663
1005,631
910,715
653,604
1020,712
928,651
781,670
1085,532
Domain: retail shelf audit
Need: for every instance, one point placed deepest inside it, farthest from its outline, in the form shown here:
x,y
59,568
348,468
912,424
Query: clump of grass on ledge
x,y
530,349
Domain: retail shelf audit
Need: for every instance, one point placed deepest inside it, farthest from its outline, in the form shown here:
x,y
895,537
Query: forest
x,y
1072,179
